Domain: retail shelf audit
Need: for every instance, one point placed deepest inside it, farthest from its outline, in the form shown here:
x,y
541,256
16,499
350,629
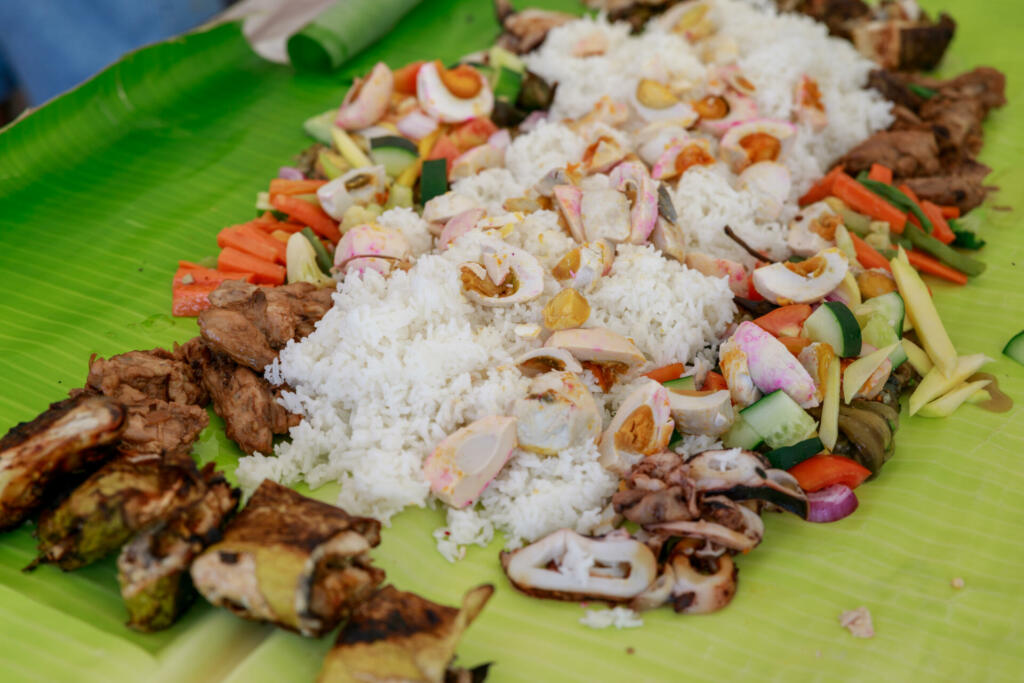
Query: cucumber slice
x,y
834,324
434,180
741,435
394,153
890,306
682,384
789,456
507,84
879,333
779,419
1015,348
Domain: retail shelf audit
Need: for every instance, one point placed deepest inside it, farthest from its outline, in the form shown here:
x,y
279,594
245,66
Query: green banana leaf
x,y
105,188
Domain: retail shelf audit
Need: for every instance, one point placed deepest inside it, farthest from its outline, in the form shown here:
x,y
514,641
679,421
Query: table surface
x,y
105,188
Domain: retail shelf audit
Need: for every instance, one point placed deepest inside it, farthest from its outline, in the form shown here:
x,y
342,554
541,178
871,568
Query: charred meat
x,y
526,29
399,636
245,401
62,441
153,568
136,376
292,561
251,323
120,499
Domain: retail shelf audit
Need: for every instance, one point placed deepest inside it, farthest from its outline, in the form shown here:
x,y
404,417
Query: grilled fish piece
x,y
399,636
61,441
292,561
120,499
153,568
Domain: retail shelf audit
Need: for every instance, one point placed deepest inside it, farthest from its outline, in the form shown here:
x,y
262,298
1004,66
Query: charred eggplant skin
x,y
292,561
120,499
153,568
64,440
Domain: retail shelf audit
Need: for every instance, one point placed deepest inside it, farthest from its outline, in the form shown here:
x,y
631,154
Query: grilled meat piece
x,y
399,636
231,333
136,376
909,153
153,568
120,499
244,400
251,323
526,29
162,427
292,561
962,187
62,441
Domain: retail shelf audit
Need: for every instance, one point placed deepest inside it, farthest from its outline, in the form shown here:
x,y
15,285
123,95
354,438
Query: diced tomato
x,y
821,471
405,78
786,321
667,372
189,300
444,148
752,292
473,133
714,382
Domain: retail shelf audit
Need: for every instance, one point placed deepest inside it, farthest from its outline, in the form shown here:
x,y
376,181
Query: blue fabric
x,y
53,45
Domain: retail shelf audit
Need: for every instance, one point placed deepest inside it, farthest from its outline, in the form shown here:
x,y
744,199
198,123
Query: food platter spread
x,y
123,177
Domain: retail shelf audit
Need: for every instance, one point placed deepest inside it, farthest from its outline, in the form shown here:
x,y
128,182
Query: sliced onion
x,y
831,504
500,138
416,125
290,173
532,121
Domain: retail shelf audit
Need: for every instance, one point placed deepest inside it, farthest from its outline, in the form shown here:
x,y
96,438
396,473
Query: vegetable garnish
x,y
821,471
1015,348
932,266
862,200
667,372
831,504
785,321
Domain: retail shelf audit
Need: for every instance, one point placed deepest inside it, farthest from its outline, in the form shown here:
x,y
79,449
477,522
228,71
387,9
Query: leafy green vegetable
x,y
922,91
965,239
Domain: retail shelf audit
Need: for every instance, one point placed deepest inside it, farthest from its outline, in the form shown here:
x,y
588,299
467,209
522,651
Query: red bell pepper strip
x,y
821,471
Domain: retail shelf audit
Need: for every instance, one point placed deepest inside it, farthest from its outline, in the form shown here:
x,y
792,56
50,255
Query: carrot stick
x,y
200,275
863,200
667,372
905,189
307,214
285,226
795,344
237,237
868,255
822,188
252,232
880,173
264,272
292,187
950,211
940,228
932,266
189,300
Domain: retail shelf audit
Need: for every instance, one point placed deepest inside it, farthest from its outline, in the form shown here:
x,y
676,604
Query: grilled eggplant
x,y
292,561
63,440
120,499
153,568
399,636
